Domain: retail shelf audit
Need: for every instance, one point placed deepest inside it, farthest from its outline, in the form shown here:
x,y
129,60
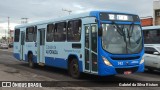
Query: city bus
x,y
96,42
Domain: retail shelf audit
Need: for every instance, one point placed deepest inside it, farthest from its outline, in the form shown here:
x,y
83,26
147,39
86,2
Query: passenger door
x,y
91,35
41,45
22,54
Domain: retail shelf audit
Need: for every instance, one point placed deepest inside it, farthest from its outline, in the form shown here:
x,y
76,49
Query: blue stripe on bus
x,y
16,55
57,62
60,63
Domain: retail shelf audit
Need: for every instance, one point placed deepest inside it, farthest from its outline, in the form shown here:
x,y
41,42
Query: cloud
x,y
4,28
37,10
51,8
78,6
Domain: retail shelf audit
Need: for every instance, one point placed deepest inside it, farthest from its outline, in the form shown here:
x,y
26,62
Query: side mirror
x,y
100,31
156,53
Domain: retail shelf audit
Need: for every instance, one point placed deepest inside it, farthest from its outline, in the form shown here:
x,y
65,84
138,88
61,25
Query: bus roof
x,y
151,27
74,16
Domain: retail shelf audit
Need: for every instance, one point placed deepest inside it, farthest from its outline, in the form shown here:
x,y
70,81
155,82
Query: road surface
x,y
14,70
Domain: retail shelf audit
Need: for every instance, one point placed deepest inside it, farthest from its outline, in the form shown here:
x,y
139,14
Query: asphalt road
x,y
21,69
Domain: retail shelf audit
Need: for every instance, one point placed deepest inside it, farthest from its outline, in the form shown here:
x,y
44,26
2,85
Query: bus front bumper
x,y
110,70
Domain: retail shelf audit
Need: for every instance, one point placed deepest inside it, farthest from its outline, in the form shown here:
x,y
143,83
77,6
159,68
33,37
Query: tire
x,y
74,69
30,61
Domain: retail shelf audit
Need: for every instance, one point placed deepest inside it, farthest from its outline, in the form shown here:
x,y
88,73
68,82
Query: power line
x,y
69,11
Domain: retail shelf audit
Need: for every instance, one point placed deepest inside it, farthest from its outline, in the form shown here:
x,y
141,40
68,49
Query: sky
x,y
37,10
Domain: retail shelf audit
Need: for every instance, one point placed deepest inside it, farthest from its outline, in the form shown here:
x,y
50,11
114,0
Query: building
x,y
156,12
147,21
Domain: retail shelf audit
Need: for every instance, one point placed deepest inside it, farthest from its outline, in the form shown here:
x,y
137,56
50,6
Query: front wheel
x,y
30,61
74,69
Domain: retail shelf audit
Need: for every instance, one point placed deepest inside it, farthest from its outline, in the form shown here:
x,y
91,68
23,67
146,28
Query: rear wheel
x,y
30,61
74,69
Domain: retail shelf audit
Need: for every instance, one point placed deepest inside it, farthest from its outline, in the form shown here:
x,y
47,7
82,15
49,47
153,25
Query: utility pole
x,y
5,34
8,32
69,11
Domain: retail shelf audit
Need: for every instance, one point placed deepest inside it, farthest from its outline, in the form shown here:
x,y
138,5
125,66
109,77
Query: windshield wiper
x,y
130,31
120,30
122,33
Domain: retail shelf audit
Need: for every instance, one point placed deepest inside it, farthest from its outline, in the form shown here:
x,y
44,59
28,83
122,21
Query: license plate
x,y
127,72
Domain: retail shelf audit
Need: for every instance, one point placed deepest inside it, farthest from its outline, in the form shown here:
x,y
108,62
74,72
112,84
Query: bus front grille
x,y
125,58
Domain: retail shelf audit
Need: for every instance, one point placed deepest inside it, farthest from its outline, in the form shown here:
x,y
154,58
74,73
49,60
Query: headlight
x,y
142,60
106,61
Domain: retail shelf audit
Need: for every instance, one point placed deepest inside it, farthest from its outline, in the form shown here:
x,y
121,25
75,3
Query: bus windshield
x,y
122,39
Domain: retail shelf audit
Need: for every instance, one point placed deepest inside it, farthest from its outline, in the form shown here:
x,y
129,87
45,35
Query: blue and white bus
x,y
96,42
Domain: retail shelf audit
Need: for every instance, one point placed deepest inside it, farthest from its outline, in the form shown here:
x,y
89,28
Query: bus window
x,y
60,31
87,36
29,34
35,33
151,36
94,37
16,36
50,30
74,30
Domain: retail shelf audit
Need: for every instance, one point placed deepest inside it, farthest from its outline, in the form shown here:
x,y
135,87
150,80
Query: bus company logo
x,y
6,84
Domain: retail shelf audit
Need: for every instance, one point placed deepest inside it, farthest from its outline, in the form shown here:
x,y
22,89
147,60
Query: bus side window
x,y
50,31
74,30
26,34
35,34
29,34
151,36
60,31
16,35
